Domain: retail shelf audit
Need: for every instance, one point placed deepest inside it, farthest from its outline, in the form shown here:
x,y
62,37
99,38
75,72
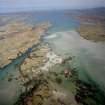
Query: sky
x,y
25,5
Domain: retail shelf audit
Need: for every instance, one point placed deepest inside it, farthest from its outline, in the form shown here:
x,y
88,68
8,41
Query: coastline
x,y
30,36
87,55
52,65
11,73
52,71
51,86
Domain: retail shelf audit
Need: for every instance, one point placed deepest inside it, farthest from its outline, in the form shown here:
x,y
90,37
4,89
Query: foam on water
x,y
51,36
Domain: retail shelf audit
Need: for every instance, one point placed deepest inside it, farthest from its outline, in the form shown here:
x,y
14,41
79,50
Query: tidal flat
x,y
52,58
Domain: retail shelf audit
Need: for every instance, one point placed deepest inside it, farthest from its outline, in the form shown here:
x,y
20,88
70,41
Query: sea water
x,y
88,57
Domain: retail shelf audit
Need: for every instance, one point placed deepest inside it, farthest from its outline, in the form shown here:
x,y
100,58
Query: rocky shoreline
x,y
44,88
44,77
94,32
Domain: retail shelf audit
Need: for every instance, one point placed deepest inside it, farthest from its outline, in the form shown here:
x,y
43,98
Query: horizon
x,y
46,10
11,6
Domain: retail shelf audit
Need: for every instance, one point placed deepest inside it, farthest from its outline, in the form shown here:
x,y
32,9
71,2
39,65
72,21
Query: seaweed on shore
x,y
86,93
89,94
23,98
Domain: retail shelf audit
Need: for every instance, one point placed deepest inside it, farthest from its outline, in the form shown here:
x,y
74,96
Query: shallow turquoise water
x,y
59,22
10,90
88,57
